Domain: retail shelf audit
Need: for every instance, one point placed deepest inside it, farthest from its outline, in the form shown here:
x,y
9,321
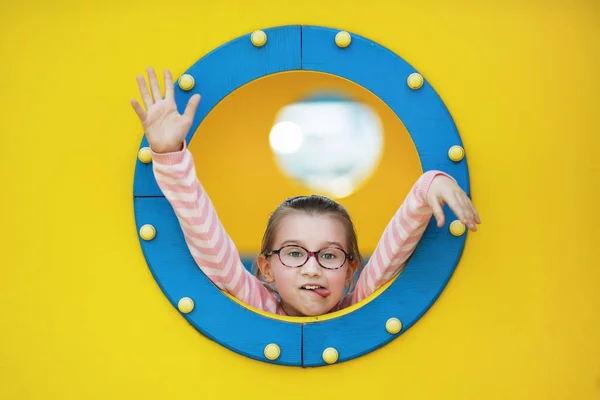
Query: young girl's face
x,y
296,285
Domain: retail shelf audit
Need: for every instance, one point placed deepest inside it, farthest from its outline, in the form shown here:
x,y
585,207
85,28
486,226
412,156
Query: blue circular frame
x,y
377,69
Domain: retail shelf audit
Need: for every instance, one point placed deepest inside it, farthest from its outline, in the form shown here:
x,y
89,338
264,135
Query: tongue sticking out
x,y
323,292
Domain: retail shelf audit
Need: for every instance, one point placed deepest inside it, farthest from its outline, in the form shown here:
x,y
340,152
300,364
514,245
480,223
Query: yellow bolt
x,y
343,39
186,82
147,232
457,228
330,355
415,81
456,153
272,351
393,325
145,155
258,38
185,305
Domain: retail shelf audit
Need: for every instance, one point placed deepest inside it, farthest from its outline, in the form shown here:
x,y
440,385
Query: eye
x,y
329,255
294,252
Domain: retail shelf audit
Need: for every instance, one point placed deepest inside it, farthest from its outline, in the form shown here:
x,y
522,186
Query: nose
x,y
311,267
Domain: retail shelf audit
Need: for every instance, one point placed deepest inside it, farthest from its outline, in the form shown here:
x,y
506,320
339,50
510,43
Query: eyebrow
x,y
299,242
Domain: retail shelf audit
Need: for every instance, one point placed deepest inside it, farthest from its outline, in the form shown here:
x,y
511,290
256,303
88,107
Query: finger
x,y
468,210
169,91
144,91
476,218
463,201
475,213
469,204
438,213
138,110
462,198
456,207
192,105
153,84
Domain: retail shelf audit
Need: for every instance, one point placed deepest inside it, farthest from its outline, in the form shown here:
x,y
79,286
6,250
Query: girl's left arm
x,y
398,241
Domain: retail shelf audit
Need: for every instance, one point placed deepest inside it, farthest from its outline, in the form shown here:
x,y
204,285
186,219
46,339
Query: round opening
x,y
253,150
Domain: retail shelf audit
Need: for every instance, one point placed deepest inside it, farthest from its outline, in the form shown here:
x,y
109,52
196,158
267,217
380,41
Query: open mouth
x,y
317,289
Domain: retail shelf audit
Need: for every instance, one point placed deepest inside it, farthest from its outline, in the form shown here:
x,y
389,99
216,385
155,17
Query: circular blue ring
x,y
433,132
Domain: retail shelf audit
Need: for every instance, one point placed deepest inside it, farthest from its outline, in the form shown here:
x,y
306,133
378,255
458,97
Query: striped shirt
x,y
216,255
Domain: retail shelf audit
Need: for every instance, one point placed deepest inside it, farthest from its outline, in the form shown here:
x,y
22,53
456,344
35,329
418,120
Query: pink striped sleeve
x,y
206,238
398,241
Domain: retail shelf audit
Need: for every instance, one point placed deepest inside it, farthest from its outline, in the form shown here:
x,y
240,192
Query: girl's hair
x,y
313,205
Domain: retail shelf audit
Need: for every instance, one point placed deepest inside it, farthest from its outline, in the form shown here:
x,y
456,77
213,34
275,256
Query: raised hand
x,y
444,190
165,128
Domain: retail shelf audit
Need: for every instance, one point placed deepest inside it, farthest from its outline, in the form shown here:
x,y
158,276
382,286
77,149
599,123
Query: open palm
x,y
165,128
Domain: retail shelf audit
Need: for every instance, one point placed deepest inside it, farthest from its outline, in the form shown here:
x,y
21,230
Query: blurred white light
x,y
286,137
331,146
341,187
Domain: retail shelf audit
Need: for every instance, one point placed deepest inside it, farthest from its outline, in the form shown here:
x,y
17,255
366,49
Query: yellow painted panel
x,y
82,317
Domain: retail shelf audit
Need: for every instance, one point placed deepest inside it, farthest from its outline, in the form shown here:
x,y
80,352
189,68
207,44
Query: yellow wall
x,y
82,316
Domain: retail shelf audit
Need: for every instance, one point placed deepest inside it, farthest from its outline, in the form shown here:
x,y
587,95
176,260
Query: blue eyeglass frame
x,y
310,254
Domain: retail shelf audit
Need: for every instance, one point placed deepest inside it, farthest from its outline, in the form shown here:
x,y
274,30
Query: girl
x,y
309,250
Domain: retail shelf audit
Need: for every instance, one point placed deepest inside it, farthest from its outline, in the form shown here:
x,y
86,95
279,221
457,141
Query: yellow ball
x,y
258,38
185,305
147,232
145,155
343,39
457,228
393,325
186,82
272,351
415,81
330,355
456,153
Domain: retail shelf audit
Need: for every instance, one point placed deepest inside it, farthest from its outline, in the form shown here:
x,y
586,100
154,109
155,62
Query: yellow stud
x,y
343,39
393,325
272,351
186,82
456,153
145,155
185,305
258,38
457,228
147,232
415,81
330,355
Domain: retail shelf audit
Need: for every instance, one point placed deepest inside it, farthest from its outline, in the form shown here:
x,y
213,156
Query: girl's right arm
x,y
209,244
173,167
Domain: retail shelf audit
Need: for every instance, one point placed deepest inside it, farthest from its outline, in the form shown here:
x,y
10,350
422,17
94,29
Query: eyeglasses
x,y
296,256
